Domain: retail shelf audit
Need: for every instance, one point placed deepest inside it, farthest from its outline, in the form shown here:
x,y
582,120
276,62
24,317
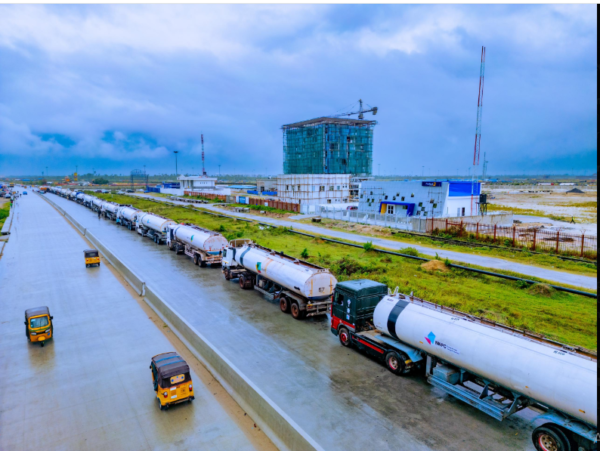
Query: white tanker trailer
x,y
126,216
204,246
79,198
97,204
87,200
496,369
300,287
109,209
72,195
153,226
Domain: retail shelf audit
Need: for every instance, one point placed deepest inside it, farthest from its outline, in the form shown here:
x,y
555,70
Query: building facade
x,y
312,190
328,146
423,198
197,182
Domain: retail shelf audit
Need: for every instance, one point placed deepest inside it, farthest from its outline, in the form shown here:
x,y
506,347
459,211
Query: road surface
x,y
341,398
89,387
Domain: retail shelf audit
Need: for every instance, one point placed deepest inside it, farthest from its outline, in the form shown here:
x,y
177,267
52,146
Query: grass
x,y
263,208
517,210
4,211
543,260
561,316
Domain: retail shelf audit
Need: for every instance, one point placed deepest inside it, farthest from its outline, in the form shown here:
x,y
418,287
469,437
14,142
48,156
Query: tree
x,y
100,181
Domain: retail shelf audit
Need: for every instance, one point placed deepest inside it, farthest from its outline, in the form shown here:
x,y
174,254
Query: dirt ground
x,y
582,207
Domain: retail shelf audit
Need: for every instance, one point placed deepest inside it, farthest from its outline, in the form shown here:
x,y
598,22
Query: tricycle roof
x,y
37,311
170,364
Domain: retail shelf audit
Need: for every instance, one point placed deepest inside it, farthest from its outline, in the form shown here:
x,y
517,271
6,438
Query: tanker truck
x,y
97,204
109,209
72,195
126,215
153,226
204,246
87,200
300,288
79,198
494,368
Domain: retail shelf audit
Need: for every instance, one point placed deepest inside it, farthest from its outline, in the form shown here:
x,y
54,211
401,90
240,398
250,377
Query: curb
x,y
277,425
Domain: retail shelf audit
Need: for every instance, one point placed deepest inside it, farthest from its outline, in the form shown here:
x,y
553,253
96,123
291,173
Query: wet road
x,y
341,398
575,280
90,386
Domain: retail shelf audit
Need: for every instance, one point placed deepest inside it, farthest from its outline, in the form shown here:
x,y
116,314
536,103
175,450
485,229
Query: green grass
x,y
543,260
4,211
561,316
262,208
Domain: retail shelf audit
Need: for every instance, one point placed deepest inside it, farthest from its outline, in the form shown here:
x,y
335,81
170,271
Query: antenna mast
x,y
202,140
477,148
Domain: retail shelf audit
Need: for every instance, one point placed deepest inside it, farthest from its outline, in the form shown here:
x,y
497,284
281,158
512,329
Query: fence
x,y
383,220
534,238
206,195
275,204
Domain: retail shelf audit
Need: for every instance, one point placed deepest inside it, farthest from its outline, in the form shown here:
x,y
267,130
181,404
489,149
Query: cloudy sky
x,y
114,88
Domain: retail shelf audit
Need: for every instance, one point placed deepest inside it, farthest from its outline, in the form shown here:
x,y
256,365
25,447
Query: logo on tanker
x,y
192,238
430,338
258,267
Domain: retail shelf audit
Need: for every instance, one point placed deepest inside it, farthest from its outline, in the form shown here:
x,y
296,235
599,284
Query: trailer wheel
x,y
395,363
284,304
550,438
296,312
195,259
345,338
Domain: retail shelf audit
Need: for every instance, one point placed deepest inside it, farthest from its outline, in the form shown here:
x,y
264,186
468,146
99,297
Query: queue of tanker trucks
x,y
494,368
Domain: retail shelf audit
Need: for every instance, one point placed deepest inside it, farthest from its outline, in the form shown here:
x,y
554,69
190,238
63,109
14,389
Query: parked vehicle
x,y
204,246
171,379
92,257
153,226
38,324
494,368
110,209
126,216
303,289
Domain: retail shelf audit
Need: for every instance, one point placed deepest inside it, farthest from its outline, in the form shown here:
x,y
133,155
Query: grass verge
x,y
561,316
4,212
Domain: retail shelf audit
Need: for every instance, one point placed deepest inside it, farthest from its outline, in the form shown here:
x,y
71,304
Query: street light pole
x,y
175,152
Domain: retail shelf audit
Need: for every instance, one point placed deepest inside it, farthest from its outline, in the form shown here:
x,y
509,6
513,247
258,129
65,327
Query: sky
x,y
113,88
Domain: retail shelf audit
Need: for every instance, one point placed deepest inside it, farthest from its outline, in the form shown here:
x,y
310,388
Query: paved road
x,y
482,261
90,387
344,400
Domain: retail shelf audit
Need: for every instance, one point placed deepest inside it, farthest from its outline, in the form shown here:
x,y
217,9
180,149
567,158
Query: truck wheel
x,y
202,264
171,246
296,312
550,438
226,275
284,304
242,281
195,259
345,338
394,363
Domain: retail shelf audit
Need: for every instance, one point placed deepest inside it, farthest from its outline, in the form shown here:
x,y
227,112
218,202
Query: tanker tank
x,y
199,238
538,369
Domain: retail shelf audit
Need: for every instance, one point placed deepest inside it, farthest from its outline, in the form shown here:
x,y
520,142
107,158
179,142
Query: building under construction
x,y
328,145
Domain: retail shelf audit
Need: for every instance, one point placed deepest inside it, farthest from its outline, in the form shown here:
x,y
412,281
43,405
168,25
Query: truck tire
x,y
171,246
345,337
195,259
284,304
202,263
227,274
296,312
242,281
395,363
550,438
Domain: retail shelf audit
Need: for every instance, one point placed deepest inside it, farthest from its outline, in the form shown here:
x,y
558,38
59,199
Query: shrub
x,y
221,228
368,246
410,251
304,254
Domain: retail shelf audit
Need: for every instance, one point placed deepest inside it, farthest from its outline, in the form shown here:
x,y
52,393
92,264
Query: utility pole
x,y
422,171
175,152
477,148
219,170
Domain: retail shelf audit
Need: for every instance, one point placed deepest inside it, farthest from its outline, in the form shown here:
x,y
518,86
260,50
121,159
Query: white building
x,y
421,198
311,190
197,182
355,184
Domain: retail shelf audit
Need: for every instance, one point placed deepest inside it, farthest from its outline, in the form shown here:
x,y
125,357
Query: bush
x,y
100,181
304,254
368,246
410,251
222,228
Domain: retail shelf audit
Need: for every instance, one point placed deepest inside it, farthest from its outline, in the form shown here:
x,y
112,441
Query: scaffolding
x,y
328,146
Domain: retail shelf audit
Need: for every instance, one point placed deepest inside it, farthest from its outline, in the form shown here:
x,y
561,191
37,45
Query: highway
x,y
562,277
90,386
341,398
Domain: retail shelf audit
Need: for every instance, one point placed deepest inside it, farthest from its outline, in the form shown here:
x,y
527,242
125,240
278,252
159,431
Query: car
x,y
7,196
24,192
130,191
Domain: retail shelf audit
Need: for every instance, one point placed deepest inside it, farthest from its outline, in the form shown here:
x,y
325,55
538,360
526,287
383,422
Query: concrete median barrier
x,y
277,425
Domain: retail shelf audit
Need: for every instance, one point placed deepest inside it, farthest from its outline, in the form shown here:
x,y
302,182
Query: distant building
x,y
266,186
425,198
197,182
355,184
312,190
328,146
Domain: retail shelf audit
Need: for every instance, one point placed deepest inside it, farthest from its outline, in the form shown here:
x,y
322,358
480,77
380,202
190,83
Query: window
x,y
361,196
385,197
331,188
402,198
298,187
420,204
287,187
434,205
412,195
328,201
321,188
463,211
390,209
338,188
35,323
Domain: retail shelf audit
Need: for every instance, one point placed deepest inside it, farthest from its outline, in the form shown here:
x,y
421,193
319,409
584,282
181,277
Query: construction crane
x,y
360,111
202,140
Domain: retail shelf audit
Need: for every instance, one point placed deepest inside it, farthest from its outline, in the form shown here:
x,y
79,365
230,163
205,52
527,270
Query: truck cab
x,y
353,304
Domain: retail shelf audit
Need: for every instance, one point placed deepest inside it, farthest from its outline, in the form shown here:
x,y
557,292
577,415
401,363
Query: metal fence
x,y
360,217
534,238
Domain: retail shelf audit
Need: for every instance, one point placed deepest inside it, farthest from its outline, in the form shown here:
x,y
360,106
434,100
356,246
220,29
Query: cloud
x,y
128,84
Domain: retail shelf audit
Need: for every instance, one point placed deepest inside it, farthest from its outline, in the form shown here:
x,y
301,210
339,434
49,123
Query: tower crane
x,y
360,111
